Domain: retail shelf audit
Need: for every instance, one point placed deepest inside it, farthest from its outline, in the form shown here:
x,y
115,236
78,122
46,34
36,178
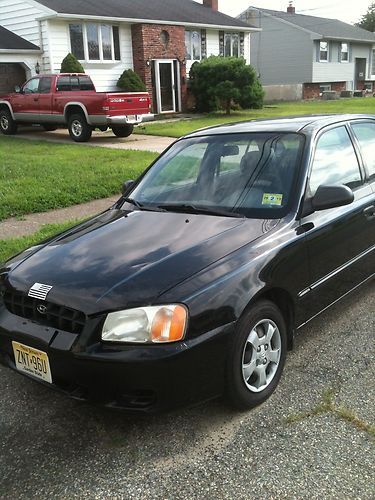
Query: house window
x,y
323,52
231,44
95,42
193,45
325,87
344,54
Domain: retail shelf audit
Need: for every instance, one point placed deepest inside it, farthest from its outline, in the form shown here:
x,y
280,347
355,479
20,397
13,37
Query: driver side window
x,y
31,87
335,161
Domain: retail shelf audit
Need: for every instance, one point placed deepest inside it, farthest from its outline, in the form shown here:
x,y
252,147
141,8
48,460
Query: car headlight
x,y
155,324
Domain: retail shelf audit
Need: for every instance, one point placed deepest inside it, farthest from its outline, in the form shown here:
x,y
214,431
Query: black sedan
x,y
194,283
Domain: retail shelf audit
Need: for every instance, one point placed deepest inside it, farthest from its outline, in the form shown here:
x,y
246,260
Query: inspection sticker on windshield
x,y
272,199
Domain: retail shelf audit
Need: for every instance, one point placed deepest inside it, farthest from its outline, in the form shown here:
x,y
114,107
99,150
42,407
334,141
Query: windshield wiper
x,y
192,209
142,206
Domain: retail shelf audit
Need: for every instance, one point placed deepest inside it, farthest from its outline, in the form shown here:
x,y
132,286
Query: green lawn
x,y
39,176
179,128
13,246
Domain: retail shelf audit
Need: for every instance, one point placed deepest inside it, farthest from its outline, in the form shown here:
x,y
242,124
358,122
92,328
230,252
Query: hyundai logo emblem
x,y
41,308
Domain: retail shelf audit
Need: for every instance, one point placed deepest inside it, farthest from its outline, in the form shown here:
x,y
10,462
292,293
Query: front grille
x,y
60,317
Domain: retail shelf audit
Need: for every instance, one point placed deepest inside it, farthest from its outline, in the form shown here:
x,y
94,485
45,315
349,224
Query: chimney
x,y
212,4
291,9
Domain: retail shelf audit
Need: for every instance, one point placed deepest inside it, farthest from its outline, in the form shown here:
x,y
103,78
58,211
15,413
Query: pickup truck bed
x,y
71,100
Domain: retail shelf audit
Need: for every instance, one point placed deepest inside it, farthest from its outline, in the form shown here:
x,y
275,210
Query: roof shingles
x,y
180,11
326,28
11,41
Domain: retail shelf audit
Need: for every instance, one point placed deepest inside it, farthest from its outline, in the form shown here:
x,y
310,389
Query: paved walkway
x,y
100,139
14,228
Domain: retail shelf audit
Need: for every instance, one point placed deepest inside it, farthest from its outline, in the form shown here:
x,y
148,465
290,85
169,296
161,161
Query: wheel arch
x,y
283,300
75,107
7,105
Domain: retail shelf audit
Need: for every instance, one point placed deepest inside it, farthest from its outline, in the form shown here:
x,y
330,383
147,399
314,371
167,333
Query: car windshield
x,y
250,175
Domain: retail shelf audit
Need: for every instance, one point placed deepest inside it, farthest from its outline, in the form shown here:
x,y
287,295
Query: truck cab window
x,y
31,87
63,84
45,85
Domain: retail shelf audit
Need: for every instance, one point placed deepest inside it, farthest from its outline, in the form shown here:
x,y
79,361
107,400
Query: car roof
x,y
308,124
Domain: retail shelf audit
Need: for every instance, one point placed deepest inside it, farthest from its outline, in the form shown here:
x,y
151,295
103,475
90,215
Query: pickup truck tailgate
x,y
135,103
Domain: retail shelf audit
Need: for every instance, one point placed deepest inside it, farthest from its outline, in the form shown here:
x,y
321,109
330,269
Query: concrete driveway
x,y
99,139
311,439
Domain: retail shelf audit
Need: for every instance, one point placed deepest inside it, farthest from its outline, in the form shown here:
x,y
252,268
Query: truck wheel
x,y
123,130
7,125
49,128
257,357
79,129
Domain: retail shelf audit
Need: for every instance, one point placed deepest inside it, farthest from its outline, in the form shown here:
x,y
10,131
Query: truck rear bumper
x,y
102,120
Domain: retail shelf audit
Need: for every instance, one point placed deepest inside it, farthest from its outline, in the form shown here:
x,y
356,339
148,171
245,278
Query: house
x,y
159,39
307,55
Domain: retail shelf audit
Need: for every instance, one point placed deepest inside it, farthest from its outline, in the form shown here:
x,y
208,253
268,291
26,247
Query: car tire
x,y
257,357
49,128
7,125
123,130
79,129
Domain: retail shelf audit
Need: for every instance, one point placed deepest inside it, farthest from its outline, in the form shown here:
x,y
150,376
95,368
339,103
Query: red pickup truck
x,y
71,100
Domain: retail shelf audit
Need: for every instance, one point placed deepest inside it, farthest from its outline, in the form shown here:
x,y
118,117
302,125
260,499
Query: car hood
x,y
126,259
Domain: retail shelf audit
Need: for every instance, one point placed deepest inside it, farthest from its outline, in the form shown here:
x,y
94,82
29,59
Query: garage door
x,y
11,74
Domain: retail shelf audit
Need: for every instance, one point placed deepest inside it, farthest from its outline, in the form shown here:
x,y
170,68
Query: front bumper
x,y
134,378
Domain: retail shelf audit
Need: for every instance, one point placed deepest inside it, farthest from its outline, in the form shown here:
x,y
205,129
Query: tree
x,y
71,64
131,82
367,21
219,82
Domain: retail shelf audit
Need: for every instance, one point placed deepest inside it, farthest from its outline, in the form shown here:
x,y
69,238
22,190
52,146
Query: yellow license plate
x,y
31,361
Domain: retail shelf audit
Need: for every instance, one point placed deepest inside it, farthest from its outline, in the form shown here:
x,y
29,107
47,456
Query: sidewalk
x,y
14,228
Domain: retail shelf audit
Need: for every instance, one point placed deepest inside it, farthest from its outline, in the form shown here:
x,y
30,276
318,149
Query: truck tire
x,y
49,128
79,129
123,130
7,125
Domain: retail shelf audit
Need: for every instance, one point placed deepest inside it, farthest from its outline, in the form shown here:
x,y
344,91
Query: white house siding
x,y
332,72
103,74
20,17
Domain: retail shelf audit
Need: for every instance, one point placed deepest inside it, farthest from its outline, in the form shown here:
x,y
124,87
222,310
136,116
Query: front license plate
x,y
31,361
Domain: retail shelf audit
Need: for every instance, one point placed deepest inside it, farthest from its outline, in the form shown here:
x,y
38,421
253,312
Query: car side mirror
x,y
331,196
127,186
17,89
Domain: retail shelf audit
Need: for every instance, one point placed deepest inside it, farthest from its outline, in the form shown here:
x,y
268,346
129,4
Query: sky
x,y
349,11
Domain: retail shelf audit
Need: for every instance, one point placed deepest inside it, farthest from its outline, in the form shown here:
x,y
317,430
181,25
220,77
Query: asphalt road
x,y
52,447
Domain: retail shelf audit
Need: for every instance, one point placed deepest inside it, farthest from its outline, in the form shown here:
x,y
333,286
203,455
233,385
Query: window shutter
x,y
330,50
242,44
221,43
204,44
317,48
350,55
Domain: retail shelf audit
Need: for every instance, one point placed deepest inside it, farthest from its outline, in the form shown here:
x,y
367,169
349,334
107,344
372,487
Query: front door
x,y
360,71
167,86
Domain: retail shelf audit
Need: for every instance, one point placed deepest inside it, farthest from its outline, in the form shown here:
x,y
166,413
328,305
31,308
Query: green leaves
x,y
129,81
70,64
218,82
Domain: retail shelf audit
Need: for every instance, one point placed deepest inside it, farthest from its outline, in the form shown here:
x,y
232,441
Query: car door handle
x,y
369,212
36,99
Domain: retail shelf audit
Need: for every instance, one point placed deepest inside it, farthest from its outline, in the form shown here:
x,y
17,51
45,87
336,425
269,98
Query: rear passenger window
x,y
335,161
63,84
74,83
86,83
365,133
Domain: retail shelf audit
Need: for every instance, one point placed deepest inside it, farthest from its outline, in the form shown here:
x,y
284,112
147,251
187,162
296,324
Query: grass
x,y
327,405
39,176
13,246
180,128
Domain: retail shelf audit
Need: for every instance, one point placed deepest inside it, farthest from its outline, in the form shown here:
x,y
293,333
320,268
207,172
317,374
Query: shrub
x,y
131,82
71,64
219,82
